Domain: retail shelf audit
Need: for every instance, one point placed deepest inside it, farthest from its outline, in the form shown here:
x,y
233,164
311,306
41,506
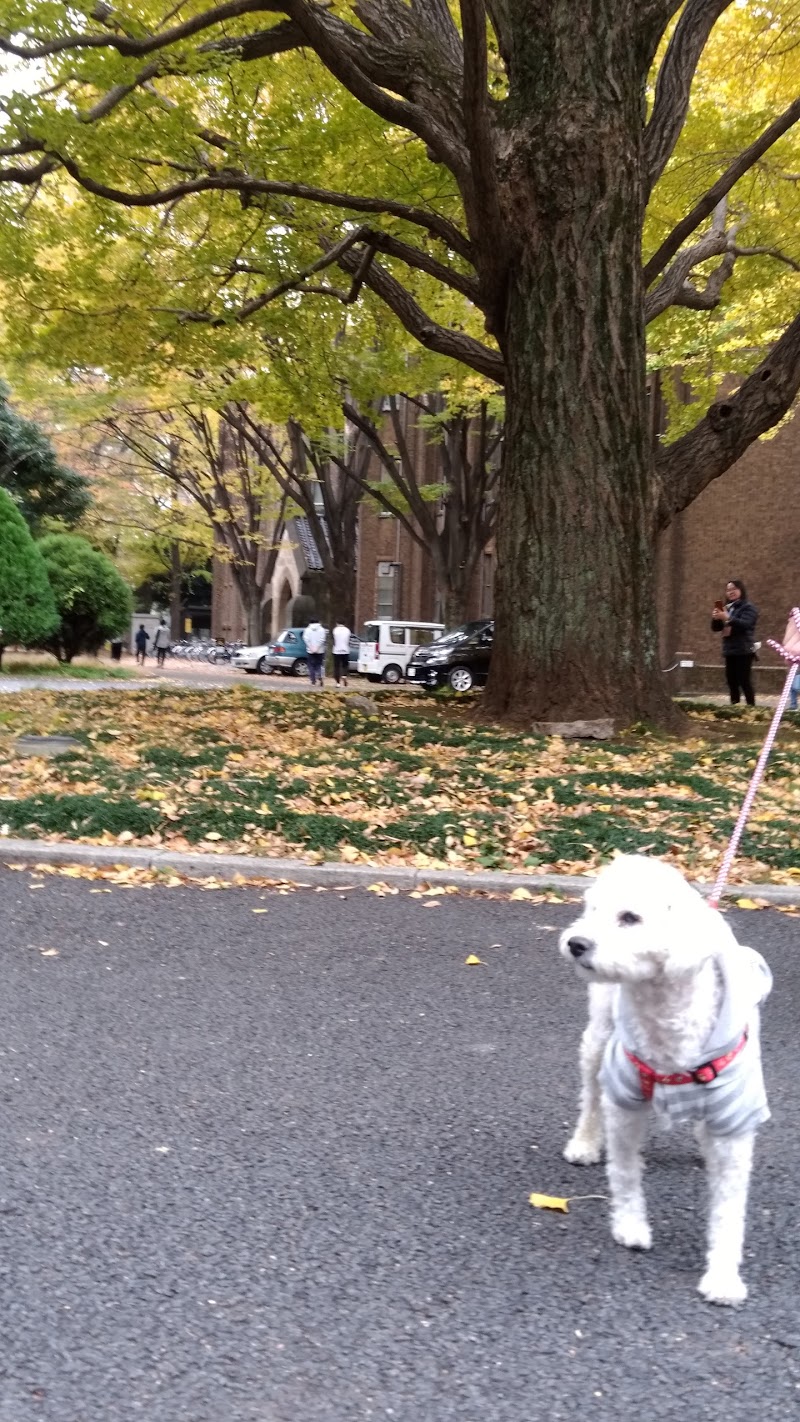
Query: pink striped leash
x,y
789,649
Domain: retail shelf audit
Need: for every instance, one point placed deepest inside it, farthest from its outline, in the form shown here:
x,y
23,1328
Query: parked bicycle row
x,y
204,651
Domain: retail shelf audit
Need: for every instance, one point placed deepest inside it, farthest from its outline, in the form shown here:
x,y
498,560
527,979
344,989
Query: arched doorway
x,y
283,607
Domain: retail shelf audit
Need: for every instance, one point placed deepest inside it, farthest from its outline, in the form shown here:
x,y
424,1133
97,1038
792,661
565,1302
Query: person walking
x,y
161,642
341,653
315,637
142,638
736,619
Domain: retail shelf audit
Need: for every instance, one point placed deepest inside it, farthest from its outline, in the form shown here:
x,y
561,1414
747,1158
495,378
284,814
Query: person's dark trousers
x,y
340,661
739,675
162,653
315,660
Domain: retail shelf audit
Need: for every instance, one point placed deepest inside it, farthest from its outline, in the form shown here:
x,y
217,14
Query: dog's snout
x,y
579,946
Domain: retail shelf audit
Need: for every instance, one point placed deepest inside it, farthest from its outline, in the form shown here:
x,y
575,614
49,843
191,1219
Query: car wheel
x,y
300,667
391,675
262,666
461,679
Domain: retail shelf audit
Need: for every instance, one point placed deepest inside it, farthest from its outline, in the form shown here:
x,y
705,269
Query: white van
x,y
387,645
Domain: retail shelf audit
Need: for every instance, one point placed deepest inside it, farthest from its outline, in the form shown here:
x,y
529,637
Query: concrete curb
x,y
296,871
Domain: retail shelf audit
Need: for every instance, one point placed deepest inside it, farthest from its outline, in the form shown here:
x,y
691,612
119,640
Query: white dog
x,y
673,1026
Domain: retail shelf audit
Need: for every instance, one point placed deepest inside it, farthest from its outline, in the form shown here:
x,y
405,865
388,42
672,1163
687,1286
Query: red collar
x,y
703,1075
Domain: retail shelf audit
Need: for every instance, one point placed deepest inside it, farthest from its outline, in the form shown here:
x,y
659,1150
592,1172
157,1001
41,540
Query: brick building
x,y
744,525
297,558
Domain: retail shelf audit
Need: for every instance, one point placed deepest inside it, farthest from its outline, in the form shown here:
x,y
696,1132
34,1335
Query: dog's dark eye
x,y
627,919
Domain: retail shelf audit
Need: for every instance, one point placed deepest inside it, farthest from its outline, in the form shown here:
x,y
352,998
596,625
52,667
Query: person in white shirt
x,y
161,642
315,637
341,653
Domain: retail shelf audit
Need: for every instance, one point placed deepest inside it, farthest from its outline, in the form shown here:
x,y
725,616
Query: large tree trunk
x,y
251,596
576,634
175,592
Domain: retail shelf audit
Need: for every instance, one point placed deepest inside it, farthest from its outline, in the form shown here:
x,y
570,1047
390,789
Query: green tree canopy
x,y
27,607
32,474
92,601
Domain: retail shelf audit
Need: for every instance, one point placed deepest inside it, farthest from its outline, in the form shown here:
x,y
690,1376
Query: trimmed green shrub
x,y
93,601
27,608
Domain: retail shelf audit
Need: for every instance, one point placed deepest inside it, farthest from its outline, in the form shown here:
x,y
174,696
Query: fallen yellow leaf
x,y
751,903
472,959
549,1202
521,894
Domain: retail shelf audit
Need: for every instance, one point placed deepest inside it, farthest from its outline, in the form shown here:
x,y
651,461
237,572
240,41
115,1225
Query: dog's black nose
x,y
579,946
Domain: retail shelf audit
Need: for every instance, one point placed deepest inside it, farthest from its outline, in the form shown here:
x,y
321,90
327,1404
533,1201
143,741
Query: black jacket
x,y
743,618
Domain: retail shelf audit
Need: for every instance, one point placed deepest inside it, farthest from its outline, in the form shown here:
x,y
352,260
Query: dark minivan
x,y
459,659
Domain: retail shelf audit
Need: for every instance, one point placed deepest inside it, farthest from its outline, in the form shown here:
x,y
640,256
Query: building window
x,y
388,589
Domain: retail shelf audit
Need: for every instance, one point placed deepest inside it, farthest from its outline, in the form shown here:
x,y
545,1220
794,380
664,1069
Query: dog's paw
x,y
723,1286
583,1150
632,1232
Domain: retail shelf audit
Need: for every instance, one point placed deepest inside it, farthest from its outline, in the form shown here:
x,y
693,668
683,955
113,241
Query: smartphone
x,y
719,606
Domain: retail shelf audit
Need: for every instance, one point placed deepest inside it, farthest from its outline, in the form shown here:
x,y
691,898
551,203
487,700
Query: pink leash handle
x,y
733,845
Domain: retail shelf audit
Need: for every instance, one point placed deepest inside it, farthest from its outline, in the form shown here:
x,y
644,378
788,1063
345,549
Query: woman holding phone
x,y
736,619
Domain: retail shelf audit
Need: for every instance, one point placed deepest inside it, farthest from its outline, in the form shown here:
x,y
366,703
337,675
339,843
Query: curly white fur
x,y
663,971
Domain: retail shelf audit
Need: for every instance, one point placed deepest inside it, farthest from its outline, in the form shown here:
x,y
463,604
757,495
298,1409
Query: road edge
x,y
297,871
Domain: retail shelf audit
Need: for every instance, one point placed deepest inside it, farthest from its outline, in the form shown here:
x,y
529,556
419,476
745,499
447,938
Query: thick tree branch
x,y
686,467
720,189
673,86
277,40
128,46
481,194
230,181
709,296
422,261
428,332
375,69
672,289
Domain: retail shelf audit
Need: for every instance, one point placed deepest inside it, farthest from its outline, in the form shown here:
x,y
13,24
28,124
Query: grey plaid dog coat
x,y
736,1099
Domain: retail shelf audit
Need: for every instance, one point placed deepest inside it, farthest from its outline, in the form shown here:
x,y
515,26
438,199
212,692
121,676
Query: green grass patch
x,y
77,815
76,671
421,781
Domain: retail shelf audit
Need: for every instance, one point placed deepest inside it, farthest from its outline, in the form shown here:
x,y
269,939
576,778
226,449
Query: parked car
x,y
287,654
459,659
388,644
251,659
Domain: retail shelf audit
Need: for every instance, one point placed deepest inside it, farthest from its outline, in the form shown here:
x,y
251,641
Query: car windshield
x,y
461,634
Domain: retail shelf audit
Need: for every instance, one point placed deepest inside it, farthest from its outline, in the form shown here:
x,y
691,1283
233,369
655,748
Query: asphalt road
x,y
274,1167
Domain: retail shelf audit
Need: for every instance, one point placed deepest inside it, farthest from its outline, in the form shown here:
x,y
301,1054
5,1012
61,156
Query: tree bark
x,y
176,591
576,633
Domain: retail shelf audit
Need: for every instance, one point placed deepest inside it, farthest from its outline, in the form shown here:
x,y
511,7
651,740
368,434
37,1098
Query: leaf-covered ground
x,y
420,783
